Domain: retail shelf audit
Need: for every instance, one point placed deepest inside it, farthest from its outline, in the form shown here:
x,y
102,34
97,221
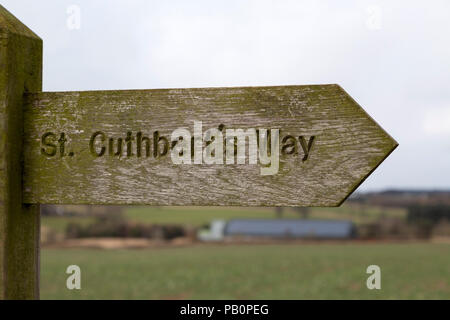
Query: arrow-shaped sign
x,y
253,146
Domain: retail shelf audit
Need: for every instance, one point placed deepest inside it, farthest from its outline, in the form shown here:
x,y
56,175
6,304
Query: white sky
x,y
393,57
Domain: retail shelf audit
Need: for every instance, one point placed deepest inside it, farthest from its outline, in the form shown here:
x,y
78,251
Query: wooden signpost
x,y
252,146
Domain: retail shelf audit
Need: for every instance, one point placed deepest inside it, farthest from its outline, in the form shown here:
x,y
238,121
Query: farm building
x,y
290,228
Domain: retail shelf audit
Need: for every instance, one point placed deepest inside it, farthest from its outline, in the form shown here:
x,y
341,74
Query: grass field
x,y
202,215
323,271
199,216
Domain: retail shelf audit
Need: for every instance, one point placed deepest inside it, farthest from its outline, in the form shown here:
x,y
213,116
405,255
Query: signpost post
x,y
304,146
20,72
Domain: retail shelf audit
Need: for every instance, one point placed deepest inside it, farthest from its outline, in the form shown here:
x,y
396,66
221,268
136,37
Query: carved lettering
x,y
92,144
306,147
218,146
47,140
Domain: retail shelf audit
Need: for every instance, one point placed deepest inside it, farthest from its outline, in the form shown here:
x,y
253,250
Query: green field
x,y
201,216
322,271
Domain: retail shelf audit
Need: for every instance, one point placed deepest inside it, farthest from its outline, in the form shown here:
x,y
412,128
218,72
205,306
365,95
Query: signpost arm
x,y
20,72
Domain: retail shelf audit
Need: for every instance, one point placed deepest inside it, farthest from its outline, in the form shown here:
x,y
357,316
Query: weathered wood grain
x,y
20,72
348,146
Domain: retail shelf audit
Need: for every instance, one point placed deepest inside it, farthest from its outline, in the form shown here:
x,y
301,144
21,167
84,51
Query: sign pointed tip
x,y
10,24
391,149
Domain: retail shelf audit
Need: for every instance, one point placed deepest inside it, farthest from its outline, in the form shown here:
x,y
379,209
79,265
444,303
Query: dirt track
x,y
139,243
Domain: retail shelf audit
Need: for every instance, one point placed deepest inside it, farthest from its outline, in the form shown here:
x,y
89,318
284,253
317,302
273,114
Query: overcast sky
x,y
393,57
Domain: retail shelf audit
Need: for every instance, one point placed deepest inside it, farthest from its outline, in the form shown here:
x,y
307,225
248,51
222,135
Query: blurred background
x,y
393,58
